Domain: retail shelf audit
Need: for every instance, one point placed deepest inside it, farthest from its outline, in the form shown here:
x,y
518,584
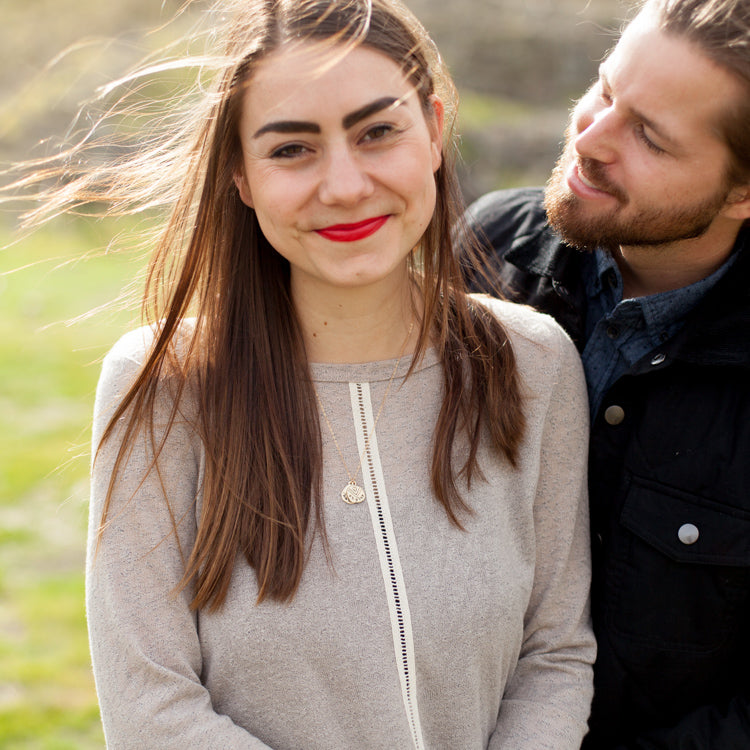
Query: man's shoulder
x,y
511,228
516,213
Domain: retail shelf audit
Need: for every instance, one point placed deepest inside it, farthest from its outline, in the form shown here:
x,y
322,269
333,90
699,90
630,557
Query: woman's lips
x,y
352,232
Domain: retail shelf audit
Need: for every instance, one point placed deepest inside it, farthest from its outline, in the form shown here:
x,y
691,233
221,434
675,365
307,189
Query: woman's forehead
x,y
307,78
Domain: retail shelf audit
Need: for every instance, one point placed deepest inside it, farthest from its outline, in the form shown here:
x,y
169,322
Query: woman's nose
x,y
345,180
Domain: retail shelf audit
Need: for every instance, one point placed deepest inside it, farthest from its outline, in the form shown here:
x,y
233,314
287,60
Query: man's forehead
x,y
668,80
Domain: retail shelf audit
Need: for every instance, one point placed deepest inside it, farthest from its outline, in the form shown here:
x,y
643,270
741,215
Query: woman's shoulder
x,y
131,348
524,323
134,346
549,365
543,350
123,362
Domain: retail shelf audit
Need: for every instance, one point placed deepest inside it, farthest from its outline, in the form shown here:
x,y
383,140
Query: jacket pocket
x,y
679,571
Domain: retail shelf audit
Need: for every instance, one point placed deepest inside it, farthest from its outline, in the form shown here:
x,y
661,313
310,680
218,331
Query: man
x,y
640,247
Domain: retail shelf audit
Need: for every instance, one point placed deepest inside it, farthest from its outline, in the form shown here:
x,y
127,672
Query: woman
x,y
336,503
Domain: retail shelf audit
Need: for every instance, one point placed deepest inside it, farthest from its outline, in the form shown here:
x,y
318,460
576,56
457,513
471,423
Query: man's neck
x,y
648,269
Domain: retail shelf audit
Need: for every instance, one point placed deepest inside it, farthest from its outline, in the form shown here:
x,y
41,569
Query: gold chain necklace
x,y
352,494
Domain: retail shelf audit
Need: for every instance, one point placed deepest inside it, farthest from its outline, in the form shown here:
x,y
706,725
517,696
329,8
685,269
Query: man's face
x,y
644,163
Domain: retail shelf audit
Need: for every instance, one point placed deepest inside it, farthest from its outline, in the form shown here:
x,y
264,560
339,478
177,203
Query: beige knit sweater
x,y
418,635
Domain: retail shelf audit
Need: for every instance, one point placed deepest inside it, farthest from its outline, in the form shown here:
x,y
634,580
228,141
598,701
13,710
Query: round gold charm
x,y
353,494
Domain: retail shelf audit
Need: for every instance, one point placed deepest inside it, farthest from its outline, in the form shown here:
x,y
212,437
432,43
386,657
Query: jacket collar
x,y
540,251
717,331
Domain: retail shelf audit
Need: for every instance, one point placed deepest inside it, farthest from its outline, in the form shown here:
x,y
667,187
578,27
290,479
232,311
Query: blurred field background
x,y
517,64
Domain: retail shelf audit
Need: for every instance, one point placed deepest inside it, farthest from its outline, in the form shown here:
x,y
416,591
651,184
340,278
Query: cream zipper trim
x,y
390,564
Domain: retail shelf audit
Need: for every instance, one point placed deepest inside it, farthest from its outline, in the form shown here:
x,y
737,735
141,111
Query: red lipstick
x,y
353,232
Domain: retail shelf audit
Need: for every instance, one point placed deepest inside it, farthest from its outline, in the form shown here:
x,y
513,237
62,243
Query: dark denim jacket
x,y
669,462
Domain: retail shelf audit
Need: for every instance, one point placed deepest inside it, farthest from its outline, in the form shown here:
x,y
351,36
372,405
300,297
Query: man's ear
x,y
243,188
738,203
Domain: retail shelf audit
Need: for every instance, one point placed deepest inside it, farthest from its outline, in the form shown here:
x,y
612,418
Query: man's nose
x,y
597,133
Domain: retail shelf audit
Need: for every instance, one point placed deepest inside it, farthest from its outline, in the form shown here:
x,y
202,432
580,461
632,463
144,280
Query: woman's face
x,y
338,162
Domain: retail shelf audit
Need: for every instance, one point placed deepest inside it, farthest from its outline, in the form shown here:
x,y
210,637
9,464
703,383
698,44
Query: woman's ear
x,y
435,120
243,188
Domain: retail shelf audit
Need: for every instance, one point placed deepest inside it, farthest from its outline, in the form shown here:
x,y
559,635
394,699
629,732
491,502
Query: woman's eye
x,y
288,151
378,132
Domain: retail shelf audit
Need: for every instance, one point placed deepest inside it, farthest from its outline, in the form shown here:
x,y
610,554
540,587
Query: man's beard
x,y
583,227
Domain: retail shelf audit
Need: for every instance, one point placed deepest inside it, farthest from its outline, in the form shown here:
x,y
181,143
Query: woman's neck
x,y
358,325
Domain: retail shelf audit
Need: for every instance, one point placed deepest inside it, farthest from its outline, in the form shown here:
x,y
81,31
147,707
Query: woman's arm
x,y
547,701
144,641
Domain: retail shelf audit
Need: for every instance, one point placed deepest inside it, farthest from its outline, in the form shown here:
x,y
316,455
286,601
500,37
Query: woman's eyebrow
x,y
287,126
370,109
302,126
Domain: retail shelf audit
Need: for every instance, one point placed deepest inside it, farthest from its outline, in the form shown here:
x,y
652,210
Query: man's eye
x,y
641,131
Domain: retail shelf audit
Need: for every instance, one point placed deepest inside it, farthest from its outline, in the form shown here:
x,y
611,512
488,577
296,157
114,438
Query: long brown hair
x,y
242,363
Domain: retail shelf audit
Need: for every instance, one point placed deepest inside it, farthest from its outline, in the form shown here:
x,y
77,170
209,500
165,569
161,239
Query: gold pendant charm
x,y
352,494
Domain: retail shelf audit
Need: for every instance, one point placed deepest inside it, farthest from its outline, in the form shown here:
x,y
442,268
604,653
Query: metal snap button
x,y
688,533
614,414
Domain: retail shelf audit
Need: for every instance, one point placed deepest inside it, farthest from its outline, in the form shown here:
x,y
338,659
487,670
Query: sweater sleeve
x,y
547,701
143,635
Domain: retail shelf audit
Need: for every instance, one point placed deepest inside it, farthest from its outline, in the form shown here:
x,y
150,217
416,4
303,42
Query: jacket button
x,y
614,414
658,359
688,533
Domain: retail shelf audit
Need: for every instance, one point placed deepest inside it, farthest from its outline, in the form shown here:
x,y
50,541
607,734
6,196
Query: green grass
x,y
479,111
48,373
